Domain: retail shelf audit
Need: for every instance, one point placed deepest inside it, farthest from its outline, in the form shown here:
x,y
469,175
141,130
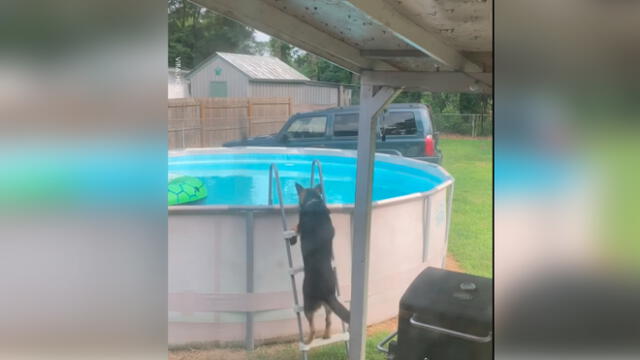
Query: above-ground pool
x,y
243,178
228,278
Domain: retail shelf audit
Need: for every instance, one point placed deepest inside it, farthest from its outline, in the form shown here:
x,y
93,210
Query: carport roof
x,y
424,36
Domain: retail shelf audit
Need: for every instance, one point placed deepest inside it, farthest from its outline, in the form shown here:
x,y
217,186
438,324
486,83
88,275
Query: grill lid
x,y
449,300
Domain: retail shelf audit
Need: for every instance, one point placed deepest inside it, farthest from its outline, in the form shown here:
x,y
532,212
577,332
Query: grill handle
x,y
381,345
461,335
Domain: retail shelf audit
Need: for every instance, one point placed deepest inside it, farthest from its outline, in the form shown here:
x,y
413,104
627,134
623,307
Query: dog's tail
x,y
339,309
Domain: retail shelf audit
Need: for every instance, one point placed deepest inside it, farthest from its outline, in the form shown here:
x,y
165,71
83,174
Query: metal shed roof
x,y
259,67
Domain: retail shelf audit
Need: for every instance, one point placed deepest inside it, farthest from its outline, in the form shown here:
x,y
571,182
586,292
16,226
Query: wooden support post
x,y
371,103
290,107
249,116
202,122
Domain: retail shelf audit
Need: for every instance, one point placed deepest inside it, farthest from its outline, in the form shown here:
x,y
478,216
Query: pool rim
x,y
393,159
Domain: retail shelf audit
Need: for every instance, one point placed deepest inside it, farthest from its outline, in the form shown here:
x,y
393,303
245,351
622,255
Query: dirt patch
x,y
208,354
452,264
390,325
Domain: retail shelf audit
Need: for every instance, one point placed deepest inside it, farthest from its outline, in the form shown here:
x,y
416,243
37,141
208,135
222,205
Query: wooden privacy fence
x,y
210,122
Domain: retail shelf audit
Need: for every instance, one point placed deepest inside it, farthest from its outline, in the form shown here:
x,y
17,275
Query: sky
x,y
260,36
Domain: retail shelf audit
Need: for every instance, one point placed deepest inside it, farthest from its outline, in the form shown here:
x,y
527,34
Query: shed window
x,y
399,123
308,127
345,125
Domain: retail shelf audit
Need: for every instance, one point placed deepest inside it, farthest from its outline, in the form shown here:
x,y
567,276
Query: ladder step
x,y
288,234
320,342
295,270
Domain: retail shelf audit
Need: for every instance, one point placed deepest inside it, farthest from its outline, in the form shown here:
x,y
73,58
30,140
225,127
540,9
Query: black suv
x,y
403,129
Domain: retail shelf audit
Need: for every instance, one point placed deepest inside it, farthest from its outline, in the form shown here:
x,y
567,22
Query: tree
x,y
443,103
409,97
196,33
317,68
282,50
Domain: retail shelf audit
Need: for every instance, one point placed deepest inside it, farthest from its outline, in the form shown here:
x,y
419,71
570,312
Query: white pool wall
x,y
216,293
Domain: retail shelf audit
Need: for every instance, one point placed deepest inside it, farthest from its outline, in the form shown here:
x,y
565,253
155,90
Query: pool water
x,y
243,179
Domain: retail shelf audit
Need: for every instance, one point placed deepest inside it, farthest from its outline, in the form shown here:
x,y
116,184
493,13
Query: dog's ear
x,y
300,189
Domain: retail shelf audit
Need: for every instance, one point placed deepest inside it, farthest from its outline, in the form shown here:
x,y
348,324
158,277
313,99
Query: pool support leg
x,y
249,338
373,99
446,236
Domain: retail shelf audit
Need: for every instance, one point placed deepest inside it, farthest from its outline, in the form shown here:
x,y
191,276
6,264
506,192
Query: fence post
x,y
473,126
249,117
184,127
202,121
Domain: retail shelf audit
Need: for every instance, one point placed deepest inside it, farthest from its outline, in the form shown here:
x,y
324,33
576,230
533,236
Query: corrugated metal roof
x,y
448,37
263,67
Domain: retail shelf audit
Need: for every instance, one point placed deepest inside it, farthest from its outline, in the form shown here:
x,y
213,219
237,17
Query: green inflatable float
x,y
186,189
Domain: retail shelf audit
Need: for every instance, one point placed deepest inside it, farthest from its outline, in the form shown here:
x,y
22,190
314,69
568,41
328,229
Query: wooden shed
x,y
246,76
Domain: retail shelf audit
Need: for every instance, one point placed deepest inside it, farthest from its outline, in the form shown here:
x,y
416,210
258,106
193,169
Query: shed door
x,y
218,89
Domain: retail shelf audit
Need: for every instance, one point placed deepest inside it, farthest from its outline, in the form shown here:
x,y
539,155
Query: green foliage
x,y
454,104
196,33
442,103
408,97
311,66
316,68
282,50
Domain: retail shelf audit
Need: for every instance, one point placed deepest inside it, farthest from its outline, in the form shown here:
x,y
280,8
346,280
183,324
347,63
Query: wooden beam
x,y
414,35
444,81
273,21
387,54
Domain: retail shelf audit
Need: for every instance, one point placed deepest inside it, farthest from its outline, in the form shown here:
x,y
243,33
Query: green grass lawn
x,y
470,237
335,351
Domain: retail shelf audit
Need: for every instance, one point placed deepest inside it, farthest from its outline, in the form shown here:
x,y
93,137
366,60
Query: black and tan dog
x,y
316,238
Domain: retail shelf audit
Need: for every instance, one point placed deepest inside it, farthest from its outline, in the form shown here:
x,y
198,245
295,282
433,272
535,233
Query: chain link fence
x,y
464,124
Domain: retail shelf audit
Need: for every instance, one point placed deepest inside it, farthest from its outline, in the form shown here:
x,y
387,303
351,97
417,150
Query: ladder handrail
x,y
316,164
273,172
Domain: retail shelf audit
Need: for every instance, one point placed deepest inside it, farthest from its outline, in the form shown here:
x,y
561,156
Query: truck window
x,y
308,127
345,125
399,123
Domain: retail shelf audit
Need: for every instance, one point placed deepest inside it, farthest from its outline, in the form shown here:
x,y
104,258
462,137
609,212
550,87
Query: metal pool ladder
x,y
287,234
